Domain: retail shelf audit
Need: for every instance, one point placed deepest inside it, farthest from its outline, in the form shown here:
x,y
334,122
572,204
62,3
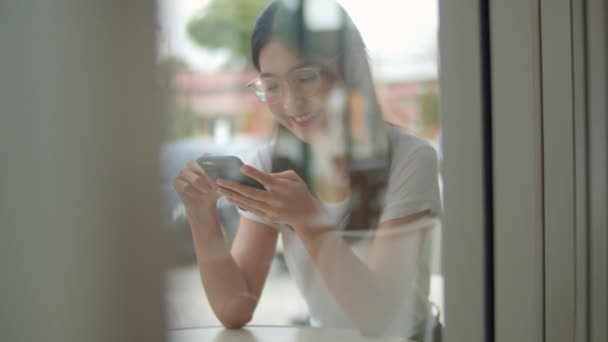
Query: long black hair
x,y
288,22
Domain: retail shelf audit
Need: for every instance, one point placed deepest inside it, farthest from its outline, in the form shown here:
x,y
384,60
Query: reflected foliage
x,y
226,24
429,103
183,122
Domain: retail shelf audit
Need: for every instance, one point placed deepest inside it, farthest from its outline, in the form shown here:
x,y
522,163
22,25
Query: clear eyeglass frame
x,y
304,81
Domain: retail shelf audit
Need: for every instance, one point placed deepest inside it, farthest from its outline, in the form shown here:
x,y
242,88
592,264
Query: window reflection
x,y
346,228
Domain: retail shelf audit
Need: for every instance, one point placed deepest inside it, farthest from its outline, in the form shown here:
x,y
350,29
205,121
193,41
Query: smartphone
x,y
227,167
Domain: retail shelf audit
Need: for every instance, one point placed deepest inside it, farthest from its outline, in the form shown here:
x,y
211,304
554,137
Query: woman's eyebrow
x,y
302,65
297,66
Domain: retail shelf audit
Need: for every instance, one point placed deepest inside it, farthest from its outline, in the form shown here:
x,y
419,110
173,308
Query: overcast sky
x,y
401,35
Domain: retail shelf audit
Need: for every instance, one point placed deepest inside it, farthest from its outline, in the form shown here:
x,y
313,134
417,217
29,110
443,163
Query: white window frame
x,y
597,101
547,261
463,235
517,170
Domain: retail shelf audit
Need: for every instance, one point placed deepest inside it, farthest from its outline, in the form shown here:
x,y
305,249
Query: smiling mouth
x,y
306,119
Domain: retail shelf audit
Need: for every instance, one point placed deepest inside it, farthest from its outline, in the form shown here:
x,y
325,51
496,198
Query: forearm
x,y
224,283
367,297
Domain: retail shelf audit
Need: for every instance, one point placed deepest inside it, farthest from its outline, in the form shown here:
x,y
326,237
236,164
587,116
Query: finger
x,y
245,190
244,202
179,185
198,170
199,182
289,174
184,188
192,178
265,178
253,210
209,181
195,167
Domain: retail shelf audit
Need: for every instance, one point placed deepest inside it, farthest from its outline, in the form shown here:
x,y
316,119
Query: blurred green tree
x,y
429,105
226,24
182,121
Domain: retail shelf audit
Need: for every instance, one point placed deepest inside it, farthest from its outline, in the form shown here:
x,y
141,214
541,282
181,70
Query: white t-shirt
x,y
412,187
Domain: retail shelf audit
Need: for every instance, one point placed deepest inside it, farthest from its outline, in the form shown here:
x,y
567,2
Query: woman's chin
x,y
309,129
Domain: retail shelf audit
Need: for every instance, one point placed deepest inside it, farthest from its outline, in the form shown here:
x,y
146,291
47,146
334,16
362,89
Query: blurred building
x,y
221,102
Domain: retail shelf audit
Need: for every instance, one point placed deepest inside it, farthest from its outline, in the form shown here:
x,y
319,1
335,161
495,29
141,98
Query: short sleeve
x,y
413,184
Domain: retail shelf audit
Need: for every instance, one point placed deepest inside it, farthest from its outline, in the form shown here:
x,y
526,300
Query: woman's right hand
x,y
196,189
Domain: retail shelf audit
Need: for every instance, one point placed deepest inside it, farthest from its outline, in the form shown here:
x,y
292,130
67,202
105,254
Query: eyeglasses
x,y
305,81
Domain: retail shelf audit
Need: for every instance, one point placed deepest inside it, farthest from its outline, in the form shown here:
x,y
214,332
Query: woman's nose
x,y
293,100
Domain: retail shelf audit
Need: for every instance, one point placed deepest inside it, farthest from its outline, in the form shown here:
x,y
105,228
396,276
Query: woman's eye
x,y
307,78
271,87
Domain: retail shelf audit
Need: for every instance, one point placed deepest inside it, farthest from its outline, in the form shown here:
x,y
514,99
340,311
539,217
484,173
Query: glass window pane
x,y
335,107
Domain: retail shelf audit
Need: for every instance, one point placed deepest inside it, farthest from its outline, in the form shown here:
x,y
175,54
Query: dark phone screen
x,y
227,167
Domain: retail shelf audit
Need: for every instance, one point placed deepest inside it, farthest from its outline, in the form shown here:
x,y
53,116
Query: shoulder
x,y
260,156
407,148
413,182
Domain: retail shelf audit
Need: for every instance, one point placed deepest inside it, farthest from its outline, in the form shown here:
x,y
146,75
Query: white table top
x,y
272,334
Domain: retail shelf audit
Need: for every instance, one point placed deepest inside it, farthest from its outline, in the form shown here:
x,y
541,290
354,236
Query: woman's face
x,y
303,114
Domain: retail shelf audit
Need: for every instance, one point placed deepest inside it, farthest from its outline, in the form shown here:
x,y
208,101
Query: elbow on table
x,y
237,312
235,322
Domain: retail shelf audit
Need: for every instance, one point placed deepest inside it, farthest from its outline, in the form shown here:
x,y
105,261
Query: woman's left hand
x,y
286,198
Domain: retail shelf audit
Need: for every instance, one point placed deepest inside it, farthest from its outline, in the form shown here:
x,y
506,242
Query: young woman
x,y
313,78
